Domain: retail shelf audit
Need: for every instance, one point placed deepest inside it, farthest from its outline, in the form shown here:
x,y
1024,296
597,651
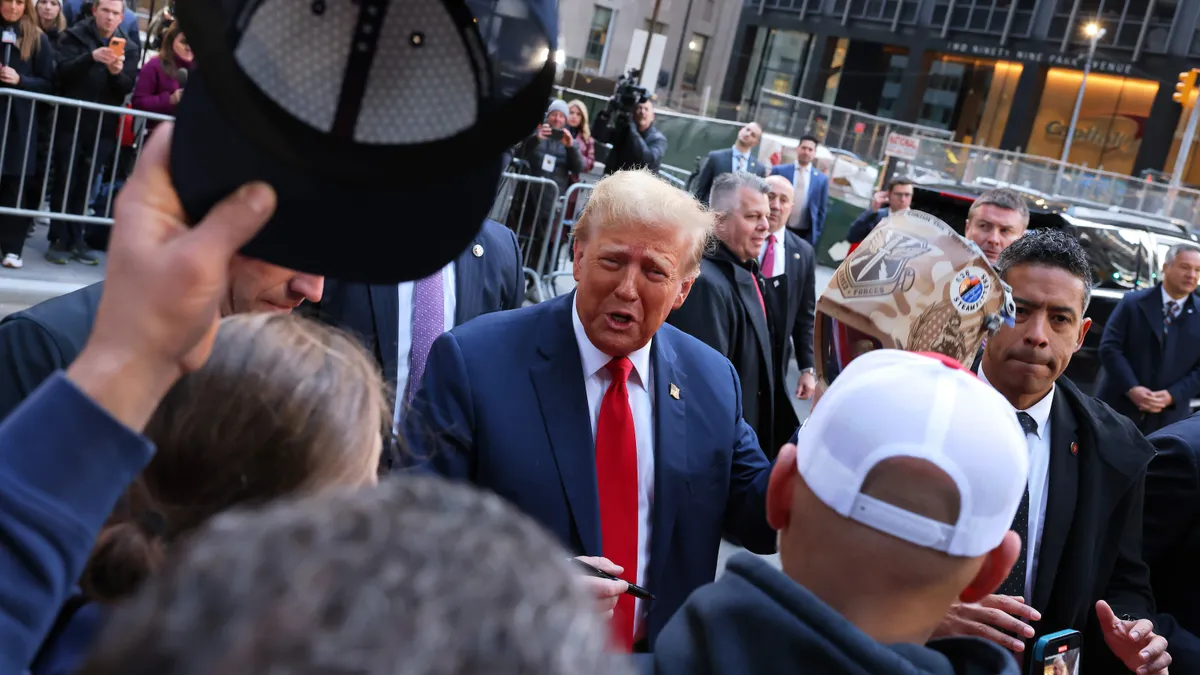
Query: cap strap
x,y
897,522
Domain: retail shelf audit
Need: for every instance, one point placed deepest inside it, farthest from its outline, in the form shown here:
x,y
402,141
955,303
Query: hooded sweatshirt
x,y
755,619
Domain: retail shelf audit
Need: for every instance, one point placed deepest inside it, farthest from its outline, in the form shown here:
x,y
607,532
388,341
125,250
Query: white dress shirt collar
x,y
1168,299
1040,411
595,360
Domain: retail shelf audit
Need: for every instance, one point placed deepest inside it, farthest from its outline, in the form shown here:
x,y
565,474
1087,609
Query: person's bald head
x,y
780,199
911,512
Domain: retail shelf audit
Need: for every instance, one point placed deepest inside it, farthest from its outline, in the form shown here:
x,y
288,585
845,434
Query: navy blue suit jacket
x,y
813,218
489,282
1134,351
503,406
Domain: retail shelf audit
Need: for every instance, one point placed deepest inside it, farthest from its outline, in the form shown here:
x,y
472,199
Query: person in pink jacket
x,y
159,87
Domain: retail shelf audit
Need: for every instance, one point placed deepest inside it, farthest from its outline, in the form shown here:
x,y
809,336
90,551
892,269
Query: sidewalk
x,y
39,280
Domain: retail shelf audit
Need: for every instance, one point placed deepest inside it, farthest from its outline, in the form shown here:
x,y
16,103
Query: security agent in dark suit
x,y
486,277
788,268
1081,522
48,336
1171,535
1151,347
730,160
726,308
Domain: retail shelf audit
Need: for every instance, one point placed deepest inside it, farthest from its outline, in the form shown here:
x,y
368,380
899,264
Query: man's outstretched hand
x,y
1134,642
160,309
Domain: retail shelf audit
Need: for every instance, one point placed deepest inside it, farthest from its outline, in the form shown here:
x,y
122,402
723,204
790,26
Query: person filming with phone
x,y
97,62
551,152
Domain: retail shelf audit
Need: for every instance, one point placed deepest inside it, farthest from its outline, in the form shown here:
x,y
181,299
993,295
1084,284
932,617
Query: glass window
x,y
694,60
1123,21
986,16
1109,131
659,28
1120,256
597,44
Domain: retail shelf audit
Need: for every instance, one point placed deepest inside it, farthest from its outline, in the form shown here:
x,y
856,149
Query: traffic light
x,y
1185,87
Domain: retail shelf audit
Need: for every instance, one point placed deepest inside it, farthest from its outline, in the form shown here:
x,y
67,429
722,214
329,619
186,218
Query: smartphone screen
x,y
117,45
1065,662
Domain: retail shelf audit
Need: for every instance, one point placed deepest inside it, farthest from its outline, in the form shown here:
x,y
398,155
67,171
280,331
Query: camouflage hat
x,y
913,284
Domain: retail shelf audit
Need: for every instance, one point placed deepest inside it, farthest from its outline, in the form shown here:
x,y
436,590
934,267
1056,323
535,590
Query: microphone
x,y
9,38
181,76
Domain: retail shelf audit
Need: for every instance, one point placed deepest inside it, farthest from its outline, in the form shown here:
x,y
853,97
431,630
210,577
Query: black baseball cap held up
x,y
381,124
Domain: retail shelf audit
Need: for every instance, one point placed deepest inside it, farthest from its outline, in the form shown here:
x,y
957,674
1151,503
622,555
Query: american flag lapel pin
x,y
674,391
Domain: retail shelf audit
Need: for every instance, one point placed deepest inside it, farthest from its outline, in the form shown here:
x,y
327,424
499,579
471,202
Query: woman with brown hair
x,y
285,407
30,67
50,18
158,87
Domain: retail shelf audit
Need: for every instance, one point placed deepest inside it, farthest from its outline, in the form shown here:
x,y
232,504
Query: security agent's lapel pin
x,y
477,250
1074,448
796,256
674,391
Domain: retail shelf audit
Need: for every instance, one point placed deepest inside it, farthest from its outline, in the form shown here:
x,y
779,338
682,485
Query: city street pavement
x,y
39,280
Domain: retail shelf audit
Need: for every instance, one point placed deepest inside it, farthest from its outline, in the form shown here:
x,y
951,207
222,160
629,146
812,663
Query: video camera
x,y
621,105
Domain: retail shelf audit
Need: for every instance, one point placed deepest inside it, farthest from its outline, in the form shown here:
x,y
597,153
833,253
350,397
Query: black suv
x,y
1126,252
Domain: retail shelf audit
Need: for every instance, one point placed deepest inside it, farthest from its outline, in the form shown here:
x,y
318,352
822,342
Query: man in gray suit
x,y
730,160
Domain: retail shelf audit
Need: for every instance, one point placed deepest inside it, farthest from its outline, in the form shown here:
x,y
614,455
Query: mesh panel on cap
x,y
298,57
418,94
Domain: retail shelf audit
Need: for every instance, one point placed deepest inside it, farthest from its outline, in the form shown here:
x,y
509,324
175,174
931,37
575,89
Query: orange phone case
x,y
117,45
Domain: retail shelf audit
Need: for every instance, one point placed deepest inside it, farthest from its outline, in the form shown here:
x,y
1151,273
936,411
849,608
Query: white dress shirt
x,y
1039,483
745,160
404,335
801,180
780,256
596,379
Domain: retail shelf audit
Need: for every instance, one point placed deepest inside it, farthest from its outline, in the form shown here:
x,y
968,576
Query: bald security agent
x,y
622,436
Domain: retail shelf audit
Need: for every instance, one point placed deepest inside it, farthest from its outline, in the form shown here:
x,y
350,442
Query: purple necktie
x,y
768,266
429,321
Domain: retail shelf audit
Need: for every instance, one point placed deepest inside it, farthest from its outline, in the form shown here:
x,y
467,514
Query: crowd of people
x,y
212,462
62,158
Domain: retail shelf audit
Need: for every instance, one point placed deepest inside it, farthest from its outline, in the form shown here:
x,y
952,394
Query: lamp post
x,y
1094,33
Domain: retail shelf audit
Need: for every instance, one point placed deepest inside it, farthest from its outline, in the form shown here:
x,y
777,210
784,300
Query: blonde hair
x,y
641,198
585,130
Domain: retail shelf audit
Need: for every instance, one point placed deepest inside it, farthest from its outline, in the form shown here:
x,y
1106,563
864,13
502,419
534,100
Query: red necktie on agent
x,y
768,266
617,480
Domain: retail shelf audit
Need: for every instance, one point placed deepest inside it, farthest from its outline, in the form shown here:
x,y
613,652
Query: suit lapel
x,y
728,161
468,272
558,381
791,266
1063,486
670,453
1151,307
744,279
385,312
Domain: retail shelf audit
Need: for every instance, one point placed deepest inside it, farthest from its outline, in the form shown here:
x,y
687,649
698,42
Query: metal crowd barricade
x,y
84,153
561,264
530,207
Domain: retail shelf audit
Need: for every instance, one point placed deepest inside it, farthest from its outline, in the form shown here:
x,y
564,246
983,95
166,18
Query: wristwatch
x,y
808,371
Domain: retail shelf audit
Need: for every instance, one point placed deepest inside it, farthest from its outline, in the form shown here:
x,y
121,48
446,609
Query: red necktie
x,y
617,480
768,266
758,292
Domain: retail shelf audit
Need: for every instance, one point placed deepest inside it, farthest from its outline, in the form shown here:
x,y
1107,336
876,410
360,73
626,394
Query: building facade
x,y
601,37
998,73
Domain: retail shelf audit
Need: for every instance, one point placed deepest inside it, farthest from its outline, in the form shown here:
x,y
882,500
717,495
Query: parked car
x,y
1126,252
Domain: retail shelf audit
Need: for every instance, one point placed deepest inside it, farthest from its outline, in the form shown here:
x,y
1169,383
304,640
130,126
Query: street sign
x,y
902,147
